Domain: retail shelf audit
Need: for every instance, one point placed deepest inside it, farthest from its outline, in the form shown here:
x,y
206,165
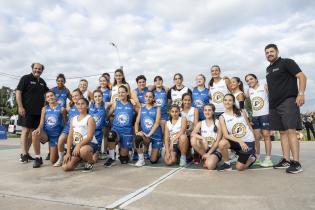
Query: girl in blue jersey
x,y
206,137
62,93
175,139
81,142
122,128
104,87
149,131
160,97
138,94
53,117
98,112
72,111
200,95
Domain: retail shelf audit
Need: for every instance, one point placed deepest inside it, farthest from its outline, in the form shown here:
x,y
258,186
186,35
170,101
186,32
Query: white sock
x,y
141,156
183,157
60,154
112,154
267,157
227,162
37,156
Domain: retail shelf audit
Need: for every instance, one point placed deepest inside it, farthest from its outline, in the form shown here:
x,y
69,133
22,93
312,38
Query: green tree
x,y
8,104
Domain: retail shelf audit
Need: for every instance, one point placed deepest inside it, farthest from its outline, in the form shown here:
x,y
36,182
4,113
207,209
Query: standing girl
x,y
200,95
104,88
122,129
52,119
160,96
149,131
258,95
175,93
72,111
62,93
175,139
237,90
83,86
81,139
206,136
119,80
237,134
218,87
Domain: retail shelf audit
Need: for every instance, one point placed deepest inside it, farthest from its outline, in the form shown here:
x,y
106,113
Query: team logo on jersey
x,y
199,103
178,102
115,98
217,97
159,101
148,122
239,130
173,138
60,102
210,140
189,126
51,121
77,138
257,103
123,118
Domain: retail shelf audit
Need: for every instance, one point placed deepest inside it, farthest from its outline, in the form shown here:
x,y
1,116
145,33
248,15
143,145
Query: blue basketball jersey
x,y
200,98
99,115
106,95
141,95
53,121
161,101
61,95
123,115
147,120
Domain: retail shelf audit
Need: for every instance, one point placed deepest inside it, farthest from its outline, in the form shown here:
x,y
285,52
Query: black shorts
x,y
216,153
285,116
29,121
243,156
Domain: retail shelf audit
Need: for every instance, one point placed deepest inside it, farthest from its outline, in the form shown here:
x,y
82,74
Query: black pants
x,y
309,127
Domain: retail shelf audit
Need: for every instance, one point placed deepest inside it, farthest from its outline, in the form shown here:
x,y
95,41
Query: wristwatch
x,y
301,94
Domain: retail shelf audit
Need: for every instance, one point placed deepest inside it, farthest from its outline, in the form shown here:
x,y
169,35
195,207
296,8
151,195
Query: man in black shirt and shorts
x,y
285,99
30,99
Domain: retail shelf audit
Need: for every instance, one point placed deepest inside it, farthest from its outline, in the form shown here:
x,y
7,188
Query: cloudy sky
x,y
153,38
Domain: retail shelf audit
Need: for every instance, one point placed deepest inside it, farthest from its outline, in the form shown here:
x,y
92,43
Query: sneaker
x,y
258,163
253,158
140,163
58,163
282,164
80,166
225,167
23,158
37,162
266,163
196,159
135,156
47,157
295,167
109,163
88,167
233,156
102,156
146,155
29,157
182,161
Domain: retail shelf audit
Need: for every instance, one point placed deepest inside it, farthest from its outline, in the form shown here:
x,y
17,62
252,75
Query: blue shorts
x,y
94,146
125,136
99,136
66,129
156,141
53,141
261,122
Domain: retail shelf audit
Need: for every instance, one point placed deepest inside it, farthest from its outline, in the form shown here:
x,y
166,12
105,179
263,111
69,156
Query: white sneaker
x,y
266,163
182,161
140,163
58,163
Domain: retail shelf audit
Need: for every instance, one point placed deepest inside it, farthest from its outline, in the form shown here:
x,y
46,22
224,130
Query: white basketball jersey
x,y
174,129
80,129
237,126
208,132
190,117
237,103
259,101
176,95
218,91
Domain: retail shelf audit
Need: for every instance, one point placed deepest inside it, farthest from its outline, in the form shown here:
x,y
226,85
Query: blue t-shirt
x,y
123,115
147,121
161,101
141,94
61,95
53,121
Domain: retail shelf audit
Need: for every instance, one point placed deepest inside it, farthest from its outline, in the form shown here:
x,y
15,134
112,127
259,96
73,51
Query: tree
x,y
8,104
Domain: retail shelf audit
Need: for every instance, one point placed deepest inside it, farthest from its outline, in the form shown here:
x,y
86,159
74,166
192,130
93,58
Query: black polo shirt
x,y
281,80
33,93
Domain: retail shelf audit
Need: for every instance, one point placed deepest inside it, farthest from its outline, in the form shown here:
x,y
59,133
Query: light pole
x,y
118,55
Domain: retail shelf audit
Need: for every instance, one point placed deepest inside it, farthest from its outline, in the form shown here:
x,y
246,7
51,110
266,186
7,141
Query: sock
x,y
112,154
37,156
141,156
267,157
227,162
61,154
183,157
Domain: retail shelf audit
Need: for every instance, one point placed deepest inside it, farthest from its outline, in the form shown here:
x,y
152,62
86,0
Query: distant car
x,y
14,128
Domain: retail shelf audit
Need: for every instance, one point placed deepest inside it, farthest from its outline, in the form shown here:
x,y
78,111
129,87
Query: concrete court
x,y
127,187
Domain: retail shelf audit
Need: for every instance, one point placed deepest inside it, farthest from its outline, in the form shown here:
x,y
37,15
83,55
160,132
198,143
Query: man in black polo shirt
x,y
285,99
30,99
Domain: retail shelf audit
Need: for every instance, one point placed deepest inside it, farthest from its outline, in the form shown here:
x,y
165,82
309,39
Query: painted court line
x,y
126,200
